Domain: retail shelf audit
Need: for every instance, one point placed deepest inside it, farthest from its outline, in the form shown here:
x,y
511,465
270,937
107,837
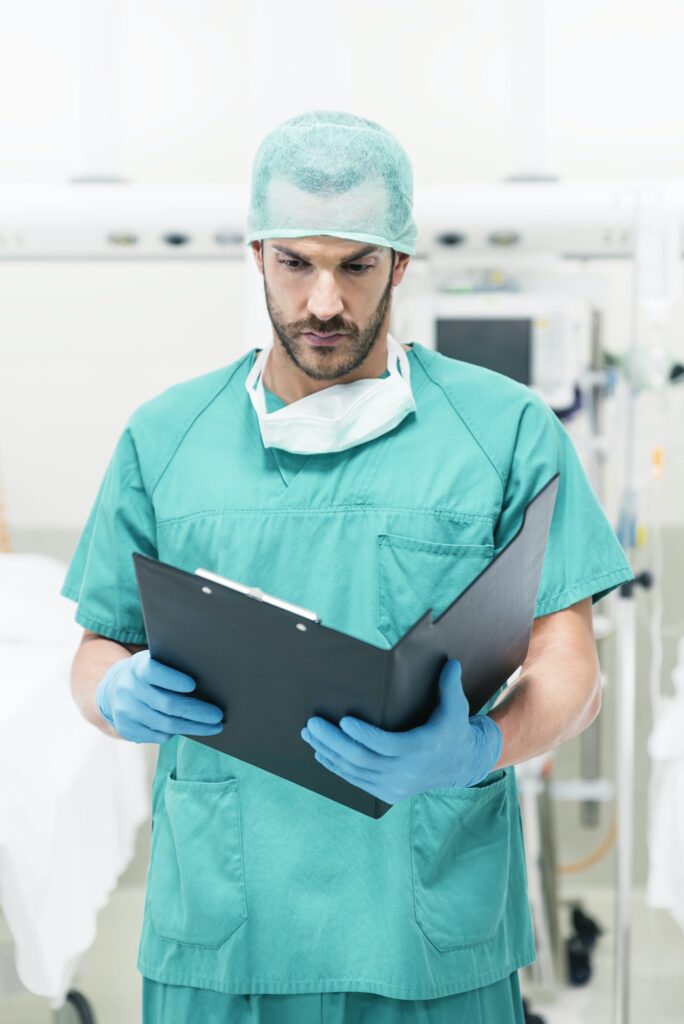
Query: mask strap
x,y
254,382
397,356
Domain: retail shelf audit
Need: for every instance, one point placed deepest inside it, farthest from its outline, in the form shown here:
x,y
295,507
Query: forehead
x,y
326,248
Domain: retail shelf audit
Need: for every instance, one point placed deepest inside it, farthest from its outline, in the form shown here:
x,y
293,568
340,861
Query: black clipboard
x,y
270,669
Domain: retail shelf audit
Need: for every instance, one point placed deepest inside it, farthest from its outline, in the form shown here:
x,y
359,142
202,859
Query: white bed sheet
x,y
71,798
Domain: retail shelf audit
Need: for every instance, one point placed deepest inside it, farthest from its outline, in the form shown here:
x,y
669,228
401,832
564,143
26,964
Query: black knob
x,y
176,238
451,238
644,579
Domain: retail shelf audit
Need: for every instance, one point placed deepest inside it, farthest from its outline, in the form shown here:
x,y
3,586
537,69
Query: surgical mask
x,y
339,417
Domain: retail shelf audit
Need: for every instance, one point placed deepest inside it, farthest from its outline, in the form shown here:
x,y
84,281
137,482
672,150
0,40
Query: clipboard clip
x,y
258,595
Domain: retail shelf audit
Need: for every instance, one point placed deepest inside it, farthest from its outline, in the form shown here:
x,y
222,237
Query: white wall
x,y
442,74
197,84
90,342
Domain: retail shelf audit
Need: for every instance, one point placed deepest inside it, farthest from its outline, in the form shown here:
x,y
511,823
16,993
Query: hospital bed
x,y
71,798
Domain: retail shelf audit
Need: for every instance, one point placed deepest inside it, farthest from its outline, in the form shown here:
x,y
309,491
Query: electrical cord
x,y
593,858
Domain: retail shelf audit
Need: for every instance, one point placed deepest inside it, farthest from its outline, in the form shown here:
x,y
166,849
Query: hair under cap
x,y
332,173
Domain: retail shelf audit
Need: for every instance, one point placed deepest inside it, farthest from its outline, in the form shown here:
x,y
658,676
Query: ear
x,y
400,267
257,249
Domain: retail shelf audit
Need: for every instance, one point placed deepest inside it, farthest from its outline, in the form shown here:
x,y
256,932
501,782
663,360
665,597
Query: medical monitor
x,y
542,341
501,345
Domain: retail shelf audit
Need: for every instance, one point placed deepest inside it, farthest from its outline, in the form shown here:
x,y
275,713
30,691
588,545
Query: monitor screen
x,y
501,345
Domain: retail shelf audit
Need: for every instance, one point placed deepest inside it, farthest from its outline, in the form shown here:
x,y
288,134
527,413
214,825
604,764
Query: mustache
x,y
322,327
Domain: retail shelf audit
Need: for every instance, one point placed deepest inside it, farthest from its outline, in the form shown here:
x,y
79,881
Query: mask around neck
x,y
339,417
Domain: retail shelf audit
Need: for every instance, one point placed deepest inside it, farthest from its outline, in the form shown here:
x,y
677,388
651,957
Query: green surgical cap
x,y
331,173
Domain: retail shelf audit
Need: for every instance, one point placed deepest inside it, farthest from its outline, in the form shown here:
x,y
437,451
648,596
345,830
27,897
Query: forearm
x,y
557,695
92,660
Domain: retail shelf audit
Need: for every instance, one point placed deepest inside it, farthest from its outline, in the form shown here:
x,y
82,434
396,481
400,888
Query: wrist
x,y
489,744
103,696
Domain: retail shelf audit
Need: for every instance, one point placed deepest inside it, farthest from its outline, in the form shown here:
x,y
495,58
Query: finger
x,y
389,744
332,755
135,732
154,737
154,673
175,726
337,741
351,771
178,706
186,728
453,701
354,780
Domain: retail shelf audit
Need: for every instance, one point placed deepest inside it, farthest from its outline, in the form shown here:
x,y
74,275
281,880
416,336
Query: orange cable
x,y
592,858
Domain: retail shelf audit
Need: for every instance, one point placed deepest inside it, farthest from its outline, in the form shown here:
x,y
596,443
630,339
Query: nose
x,y
325,300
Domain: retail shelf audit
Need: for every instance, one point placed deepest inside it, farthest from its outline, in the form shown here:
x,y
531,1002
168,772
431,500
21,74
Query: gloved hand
x,y
451,749
145,702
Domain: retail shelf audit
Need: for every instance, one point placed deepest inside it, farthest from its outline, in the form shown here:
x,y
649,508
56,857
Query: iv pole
x,y
655,282
625,621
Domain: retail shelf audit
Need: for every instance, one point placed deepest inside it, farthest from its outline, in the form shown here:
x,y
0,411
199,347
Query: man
x,y
344,472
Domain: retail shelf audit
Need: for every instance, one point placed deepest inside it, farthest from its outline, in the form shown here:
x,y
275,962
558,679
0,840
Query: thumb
x,y
452,699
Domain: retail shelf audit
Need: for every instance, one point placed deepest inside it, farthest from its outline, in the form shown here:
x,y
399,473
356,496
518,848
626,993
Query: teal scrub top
x,y
256,885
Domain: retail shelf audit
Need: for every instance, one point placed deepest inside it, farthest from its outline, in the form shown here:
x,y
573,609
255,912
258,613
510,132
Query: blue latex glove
x,y
146,702
451,749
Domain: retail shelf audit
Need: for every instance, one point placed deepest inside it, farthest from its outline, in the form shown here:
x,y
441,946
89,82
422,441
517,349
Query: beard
x,y
338,360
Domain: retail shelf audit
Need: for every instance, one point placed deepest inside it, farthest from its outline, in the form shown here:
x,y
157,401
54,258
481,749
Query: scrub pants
x,y
173,1004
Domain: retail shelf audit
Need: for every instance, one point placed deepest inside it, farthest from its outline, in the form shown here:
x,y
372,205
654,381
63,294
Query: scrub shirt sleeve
x,y
583,556
101,576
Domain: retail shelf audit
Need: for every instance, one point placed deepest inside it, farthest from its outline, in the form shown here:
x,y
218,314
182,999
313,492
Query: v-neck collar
x,y
290,464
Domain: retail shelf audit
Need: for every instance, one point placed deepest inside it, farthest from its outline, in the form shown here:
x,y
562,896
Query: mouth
x,y
319,340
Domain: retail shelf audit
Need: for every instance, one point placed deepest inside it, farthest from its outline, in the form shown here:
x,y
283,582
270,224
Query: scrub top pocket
x,y
460,846
196,893
415,575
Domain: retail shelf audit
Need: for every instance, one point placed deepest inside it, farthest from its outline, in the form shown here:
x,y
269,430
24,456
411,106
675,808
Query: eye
x,y
358,268
355,269
292,264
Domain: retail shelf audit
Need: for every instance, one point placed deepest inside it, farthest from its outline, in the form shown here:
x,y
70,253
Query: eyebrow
x,y
359,254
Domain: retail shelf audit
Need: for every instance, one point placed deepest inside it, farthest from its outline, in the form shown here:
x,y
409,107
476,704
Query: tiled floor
x,y
109,979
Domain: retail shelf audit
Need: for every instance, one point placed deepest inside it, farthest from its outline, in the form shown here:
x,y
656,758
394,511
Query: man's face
x,y
328,299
